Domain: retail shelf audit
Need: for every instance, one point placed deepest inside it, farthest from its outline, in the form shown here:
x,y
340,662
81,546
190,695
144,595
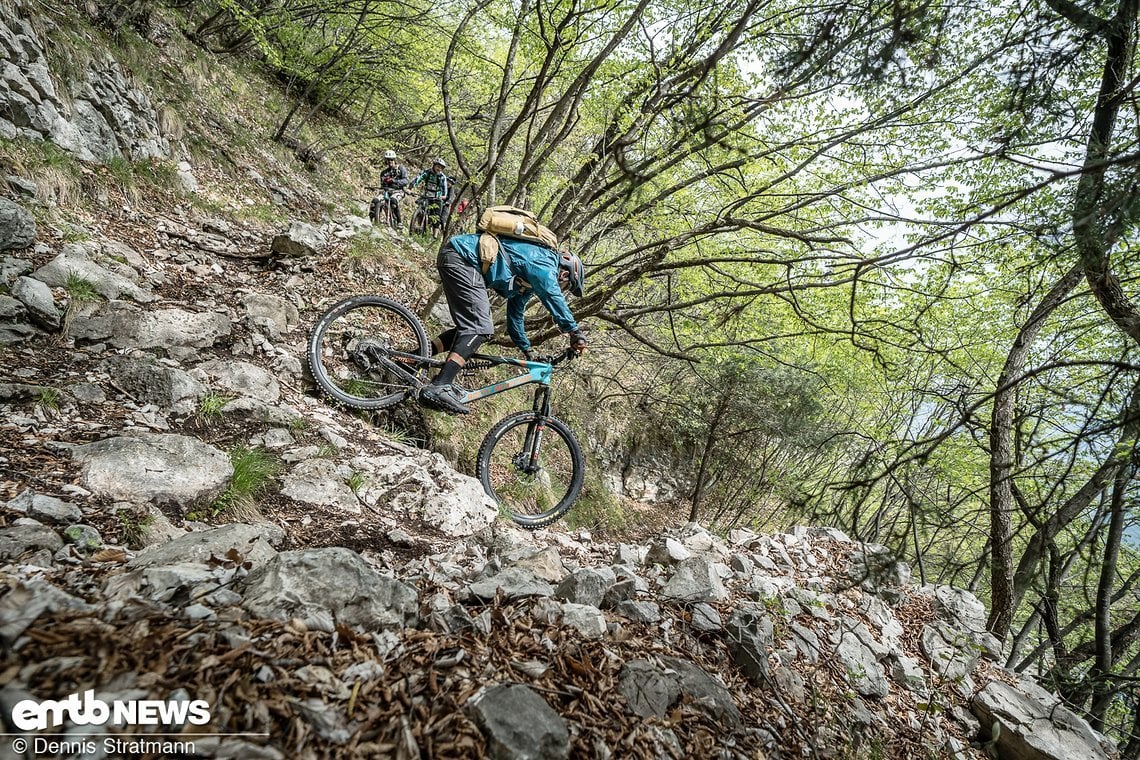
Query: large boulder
x,y
18,540
154,467
1034,725
154,383
519,724
77,261
695,580
299,240
255,543
426,489
651,690
243,378
38,300
319,482
273,314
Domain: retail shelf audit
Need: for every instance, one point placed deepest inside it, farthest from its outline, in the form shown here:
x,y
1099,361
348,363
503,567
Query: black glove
x,y
578,342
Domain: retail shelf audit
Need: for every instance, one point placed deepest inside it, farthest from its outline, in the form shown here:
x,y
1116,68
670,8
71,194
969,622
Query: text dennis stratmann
x,y
111,745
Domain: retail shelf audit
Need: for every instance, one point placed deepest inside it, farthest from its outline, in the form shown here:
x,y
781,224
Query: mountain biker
x,y
437,186
393,179
520,270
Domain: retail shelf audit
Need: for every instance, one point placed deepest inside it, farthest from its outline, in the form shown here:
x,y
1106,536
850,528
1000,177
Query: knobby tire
x,y
515,491
364,325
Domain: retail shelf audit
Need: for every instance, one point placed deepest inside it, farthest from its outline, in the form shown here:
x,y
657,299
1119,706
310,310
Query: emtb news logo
x,y
30,715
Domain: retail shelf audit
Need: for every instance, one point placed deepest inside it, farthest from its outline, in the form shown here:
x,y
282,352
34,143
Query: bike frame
x,y
536,372
539,373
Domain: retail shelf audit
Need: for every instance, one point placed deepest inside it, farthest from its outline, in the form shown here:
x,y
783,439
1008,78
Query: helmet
x,y
440,163
575,271
389,155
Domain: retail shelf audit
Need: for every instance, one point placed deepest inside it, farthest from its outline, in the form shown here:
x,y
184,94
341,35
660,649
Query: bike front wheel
x,y
366,352
533,467
419,222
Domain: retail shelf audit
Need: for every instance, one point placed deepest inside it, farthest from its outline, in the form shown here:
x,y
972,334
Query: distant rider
x,y
393,180
520,270
437,188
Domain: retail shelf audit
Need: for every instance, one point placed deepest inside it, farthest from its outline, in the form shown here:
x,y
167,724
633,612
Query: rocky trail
x,y
373,604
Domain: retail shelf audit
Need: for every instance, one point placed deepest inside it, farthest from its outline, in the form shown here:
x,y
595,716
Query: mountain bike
x,y
383,208
370,352
426,216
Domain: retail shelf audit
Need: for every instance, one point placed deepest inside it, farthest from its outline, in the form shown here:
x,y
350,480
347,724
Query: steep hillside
x,y
183,521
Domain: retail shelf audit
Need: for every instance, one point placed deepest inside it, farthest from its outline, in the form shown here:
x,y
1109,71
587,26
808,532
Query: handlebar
x,y
567,354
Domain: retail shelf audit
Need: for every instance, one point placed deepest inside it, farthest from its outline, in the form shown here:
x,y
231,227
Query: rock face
x,y
101,116
124,325
334,582
17,228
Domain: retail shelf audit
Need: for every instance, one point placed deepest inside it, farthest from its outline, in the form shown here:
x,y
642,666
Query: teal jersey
x,y
525,270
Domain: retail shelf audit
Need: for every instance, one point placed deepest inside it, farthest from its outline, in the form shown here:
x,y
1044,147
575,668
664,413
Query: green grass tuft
x,y
80,289
254,469
49,399
211,405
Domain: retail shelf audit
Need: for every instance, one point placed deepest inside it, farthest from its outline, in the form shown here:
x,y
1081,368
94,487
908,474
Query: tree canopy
x,y
874,262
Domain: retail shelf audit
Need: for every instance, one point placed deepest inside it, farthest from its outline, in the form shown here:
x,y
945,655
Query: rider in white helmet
x,y
393,180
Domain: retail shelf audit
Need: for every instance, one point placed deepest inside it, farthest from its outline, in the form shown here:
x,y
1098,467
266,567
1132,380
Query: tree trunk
x,y
1102,687
706,455
1003,600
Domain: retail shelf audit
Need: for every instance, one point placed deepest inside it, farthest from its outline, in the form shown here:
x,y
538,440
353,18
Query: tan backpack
x,y
511,222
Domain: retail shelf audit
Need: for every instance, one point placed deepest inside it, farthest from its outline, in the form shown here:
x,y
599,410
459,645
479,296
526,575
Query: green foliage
x,y
357,480
362,248
133,524
75,235
399,435
264,212
53,156
597,508
121,170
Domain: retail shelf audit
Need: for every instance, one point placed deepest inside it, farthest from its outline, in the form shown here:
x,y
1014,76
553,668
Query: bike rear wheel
x,y
365,352
533,467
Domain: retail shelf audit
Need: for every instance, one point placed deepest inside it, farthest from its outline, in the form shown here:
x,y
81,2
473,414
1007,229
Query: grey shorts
x,y
466,294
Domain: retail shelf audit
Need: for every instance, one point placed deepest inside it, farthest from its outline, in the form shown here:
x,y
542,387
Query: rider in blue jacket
x,y
521,270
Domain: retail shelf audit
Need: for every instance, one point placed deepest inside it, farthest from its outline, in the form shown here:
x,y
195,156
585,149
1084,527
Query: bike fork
x,y
532,445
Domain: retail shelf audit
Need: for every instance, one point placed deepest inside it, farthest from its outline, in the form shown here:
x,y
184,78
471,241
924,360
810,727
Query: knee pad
x,y
467,344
